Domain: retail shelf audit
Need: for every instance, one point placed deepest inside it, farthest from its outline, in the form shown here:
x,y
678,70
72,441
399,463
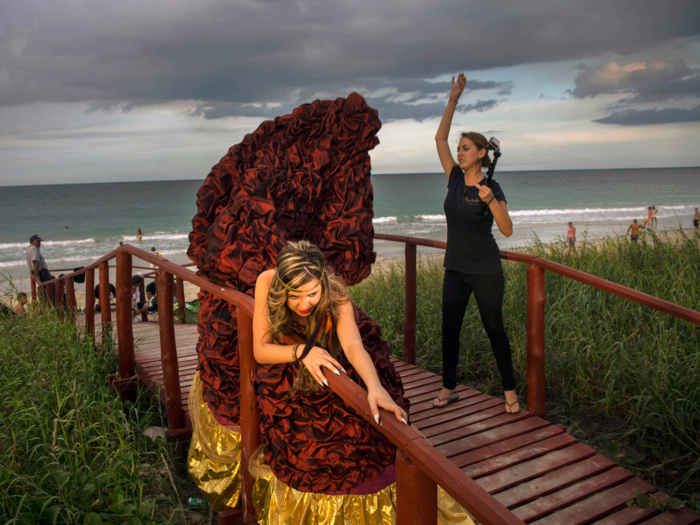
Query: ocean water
x,y
99,216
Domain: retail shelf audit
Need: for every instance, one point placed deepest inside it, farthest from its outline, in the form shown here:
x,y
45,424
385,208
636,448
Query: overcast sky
x,y
97,91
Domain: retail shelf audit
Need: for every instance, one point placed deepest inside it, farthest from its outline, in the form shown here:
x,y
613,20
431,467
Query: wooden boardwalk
x,y
535,469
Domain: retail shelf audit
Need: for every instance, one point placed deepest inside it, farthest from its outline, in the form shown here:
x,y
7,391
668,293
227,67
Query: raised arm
x,y
443,132
351,341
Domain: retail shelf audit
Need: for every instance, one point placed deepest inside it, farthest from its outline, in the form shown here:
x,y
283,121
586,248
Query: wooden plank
x,y
478,427
597,506
411,373
520,455
556,481
479,412
632,515
537,467
486,438
497,449
675,517
426,409
424,401
417,377
435,380
422,390
458,409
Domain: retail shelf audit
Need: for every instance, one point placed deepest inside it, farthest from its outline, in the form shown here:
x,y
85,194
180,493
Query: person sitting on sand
x,y
21,307
112,295
696,219
571,238
635,227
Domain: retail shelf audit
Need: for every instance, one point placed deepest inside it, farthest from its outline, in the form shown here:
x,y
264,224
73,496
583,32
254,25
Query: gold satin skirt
x,y
214,458
278,504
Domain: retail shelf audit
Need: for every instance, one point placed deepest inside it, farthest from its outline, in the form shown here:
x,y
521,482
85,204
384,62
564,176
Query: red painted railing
x,y
420,467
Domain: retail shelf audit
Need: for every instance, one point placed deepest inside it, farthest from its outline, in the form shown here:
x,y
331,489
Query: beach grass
x,y
620,375
72,451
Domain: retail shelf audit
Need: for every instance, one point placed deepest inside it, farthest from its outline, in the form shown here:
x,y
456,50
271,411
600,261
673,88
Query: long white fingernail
x,y
344,371
404,421
376,418
325,382
336,372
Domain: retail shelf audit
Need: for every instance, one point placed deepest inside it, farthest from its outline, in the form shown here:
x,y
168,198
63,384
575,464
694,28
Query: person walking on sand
x,y
634,228
696,219
139,235
154,252
472,258
650,218
37,264
571,238
654,220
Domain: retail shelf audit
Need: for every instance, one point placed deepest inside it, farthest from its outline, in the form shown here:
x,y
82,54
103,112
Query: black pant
x,y
488,291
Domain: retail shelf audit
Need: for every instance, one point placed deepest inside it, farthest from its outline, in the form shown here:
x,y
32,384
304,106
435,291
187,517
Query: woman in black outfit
x,y
472,258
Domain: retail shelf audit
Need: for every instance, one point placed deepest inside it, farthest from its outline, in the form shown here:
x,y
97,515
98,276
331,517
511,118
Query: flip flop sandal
x,y
510,405
453,397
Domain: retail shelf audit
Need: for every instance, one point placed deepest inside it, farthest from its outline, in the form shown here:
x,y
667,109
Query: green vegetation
x,y
624,376
70,450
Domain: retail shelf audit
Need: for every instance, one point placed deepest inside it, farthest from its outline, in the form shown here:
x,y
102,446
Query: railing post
x,y
90,303
33,285
416,494
409,325
535,341
142,291
125,334
168,352
250,432
70,297
180,291
58,296
105,306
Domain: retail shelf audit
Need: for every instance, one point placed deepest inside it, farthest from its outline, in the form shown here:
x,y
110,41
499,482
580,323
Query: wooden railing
x,y
536,267
420,468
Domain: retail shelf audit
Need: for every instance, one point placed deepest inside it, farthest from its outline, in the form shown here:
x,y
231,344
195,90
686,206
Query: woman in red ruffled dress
x,y
325,461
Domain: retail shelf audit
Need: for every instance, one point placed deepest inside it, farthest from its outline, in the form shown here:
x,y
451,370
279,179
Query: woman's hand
x,y
317,358
485,193
457,87
380,398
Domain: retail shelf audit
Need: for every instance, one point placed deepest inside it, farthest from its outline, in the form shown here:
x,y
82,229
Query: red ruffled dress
x,y
301,176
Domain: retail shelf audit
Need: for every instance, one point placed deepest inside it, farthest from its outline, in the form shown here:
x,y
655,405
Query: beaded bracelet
x,y
295,359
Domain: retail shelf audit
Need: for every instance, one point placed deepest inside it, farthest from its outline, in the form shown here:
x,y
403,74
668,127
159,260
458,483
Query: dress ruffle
x,y
301,176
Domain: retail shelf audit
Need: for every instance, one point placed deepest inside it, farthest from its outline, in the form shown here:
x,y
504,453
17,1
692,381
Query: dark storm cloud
x,y
647,117
120,55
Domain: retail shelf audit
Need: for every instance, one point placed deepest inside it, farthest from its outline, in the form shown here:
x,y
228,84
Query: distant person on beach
x,y
21,307
37,264
654,220
571,238
112,294
154,252
472,258
139,234
696,219
650,218
634,228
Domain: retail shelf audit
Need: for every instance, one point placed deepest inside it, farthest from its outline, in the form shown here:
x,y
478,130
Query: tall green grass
x,y
632,371
70,450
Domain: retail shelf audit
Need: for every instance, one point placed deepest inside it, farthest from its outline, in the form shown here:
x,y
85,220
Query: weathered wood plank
x,y
518,456
479,427
478,412
535,468
632,515
597,506
558,480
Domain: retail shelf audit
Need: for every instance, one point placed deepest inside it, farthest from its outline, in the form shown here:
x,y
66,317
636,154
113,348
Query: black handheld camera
x,y
495,146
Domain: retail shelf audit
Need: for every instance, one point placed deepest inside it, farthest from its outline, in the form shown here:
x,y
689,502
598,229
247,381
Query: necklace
x,y
297,327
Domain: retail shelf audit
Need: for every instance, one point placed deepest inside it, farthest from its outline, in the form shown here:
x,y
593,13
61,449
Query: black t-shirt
x,y
471,247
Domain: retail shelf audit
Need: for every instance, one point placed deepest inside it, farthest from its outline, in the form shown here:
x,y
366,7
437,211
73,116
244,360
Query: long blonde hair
x,y
298,264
